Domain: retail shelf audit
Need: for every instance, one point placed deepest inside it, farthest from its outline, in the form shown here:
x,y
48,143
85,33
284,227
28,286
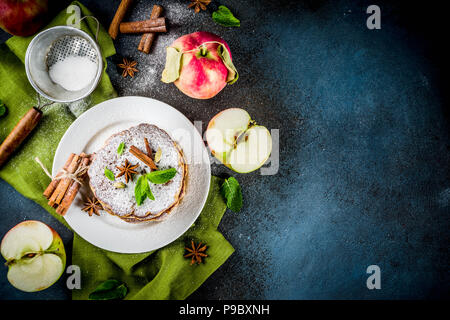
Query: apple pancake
x,y
118,197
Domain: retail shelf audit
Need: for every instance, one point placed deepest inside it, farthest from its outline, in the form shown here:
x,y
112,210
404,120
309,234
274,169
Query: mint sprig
x,y
109,290
142,189
225,17
232,192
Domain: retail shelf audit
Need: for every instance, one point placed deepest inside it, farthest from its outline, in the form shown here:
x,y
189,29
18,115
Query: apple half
x,y
237,141
34,254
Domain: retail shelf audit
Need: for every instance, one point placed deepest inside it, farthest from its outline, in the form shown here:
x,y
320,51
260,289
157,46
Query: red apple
x,y
22,17
205,66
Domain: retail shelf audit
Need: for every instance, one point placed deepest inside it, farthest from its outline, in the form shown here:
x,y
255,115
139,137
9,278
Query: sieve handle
x,y
98,25
22,129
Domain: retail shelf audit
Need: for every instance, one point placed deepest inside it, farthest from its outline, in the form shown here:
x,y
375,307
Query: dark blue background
x,y
364,150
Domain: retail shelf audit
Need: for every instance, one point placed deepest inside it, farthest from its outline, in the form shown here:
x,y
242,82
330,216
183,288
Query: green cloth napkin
x,y
164,273
161,274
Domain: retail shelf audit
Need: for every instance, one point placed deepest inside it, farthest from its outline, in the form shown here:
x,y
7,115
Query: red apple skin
x,y
22,17
201,77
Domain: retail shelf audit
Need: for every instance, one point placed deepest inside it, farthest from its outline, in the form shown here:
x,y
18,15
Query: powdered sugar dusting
x,y
122,201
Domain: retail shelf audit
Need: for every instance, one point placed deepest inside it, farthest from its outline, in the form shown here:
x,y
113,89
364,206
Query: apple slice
x,y
252,150
35,255
224,129
235,140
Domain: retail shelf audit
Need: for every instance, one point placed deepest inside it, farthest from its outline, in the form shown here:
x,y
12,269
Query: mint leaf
x,y
226,58
2,108
232,192
120,148
142,190
171,71
161,176
149,193
109,174
108,290
139,190
225,17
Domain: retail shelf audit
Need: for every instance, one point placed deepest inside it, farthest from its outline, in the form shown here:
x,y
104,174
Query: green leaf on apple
x,y
171,71
109,290
172,68
232,192
225,17
233,75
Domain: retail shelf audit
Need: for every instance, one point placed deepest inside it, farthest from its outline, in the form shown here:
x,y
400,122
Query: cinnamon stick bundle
x,y
147,38
52,186
63,189
143,157
145,26
118,17
71,193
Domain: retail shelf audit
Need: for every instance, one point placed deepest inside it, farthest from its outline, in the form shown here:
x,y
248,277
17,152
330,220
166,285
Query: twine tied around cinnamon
x,y
63,173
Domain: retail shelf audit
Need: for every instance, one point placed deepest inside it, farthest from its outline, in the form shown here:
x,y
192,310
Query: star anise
x,y
128,67
127,170
199,4
196,252
92,206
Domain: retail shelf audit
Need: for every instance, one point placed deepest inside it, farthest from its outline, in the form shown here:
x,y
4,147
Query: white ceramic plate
x,y
88,134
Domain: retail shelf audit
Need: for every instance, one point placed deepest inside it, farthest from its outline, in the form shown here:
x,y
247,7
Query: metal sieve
x,y
56,44
47,48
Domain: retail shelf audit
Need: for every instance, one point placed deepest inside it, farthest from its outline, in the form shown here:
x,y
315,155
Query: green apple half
x,y
34,254
237,141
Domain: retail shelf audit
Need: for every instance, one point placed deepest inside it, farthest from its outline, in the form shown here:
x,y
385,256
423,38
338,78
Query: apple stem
x,y
203,51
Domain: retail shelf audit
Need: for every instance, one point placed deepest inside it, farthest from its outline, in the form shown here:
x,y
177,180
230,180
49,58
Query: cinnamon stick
x,y
22,129
147,147
72,192
61,189
143,157
52,186
147,38
145,26
118,17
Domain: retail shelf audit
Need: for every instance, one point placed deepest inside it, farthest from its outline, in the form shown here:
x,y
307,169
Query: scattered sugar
x,y
73,73
80,106
150,66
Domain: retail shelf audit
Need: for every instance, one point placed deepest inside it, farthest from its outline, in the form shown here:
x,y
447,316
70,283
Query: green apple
x,y
34,254
237,141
